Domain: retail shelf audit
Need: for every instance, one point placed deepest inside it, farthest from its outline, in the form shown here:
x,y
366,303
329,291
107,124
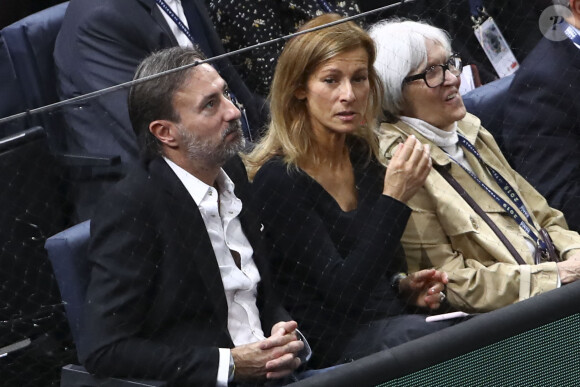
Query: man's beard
x,y
198,149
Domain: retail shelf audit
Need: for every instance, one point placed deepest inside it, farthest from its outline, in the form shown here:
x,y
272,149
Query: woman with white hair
x,y
475,218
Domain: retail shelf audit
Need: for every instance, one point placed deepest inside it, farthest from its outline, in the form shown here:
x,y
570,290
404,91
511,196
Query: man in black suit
x,y
542,119
178,288
100,45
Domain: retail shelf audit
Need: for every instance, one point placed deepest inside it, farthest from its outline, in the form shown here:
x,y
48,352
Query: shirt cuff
x,y
223,367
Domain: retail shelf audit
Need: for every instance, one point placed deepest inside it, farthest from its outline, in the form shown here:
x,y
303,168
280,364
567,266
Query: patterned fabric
x,y
244,23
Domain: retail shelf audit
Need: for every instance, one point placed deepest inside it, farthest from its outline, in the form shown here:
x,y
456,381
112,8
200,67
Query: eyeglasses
x,y
435,75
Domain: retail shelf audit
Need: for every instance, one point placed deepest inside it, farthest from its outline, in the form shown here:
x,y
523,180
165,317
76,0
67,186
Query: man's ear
x,y
164,131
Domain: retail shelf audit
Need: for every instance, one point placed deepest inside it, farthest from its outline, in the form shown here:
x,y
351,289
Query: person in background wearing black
x,y
541,131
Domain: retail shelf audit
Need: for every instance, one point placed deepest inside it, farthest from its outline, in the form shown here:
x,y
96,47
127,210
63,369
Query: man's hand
x,y
424,288
272,358
569,270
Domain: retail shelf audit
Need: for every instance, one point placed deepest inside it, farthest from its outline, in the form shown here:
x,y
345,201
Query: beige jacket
x,y
446,233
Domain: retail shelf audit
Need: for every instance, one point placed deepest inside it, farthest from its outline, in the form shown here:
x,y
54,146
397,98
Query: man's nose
x,y
232,111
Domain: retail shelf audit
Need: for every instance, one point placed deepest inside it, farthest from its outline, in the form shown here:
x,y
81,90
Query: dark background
x,y
13,10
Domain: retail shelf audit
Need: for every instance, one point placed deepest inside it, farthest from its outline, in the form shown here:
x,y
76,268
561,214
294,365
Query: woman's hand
x,y
424,288
407,170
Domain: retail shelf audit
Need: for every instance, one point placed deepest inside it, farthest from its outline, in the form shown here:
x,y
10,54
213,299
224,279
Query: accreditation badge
x,y
496,48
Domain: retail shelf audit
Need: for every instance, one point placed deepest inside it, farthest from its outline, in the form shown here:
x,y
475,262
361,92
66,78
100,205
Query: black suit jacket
x,y
101,43
155,304
542,124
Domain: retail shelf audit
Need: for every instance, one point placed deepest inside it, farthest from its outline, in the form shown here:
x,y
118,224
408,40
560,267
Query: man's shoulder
x,y
141,185
548,57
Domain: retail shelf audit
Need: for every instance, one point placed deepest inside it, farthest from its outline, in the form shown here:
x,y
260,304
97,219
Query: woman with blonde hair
x,y
332,216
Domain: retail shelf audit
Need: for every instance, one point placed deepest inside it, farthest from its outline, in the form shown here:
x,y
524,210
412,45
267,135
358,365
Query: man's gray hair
x,y
401,50
153,100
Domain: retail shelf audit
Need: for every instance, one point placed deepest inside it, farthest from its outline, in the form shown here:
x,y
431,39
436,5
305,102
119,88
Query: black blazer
x,y
101,43
155,304
542,125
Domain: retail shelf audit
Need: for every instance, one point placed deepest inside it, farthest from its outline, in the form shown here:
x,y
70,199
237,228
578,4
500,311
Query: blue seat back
x,y
27,72
67,252
487,102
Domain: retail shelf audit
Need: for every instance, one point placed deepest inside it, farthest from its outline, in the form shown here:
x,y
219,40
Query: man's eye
x,y
359,79
228,94
210,104
329,80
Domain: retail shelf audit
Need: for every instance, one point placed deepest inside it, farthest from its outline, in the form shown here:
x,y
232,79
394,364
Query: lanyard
x,y
507,188
165,7
187,33
571,33
324,5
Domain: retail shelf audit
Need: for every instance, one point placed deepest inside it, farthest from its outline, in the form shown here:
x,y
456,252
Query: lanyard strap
x,y
165,7
571,33
187,33
324,5
461,191
507,188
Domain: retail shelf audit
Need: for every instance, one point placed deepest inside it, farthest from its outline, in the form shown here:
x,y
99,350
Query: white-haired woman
x,y
496,250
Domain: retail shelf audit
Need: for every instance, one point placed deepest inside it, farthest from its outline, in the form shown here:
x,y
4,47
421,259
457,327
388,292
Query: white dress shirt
x,y
220,215
177,8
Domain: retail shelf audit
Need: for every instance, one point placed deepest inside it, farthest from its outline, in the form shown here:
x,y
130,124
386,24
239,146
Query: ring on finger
x,y
442,297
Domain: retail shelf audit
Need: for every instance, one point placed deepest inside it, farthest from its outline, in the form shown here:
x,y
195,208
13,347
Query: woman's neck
x,y
328,150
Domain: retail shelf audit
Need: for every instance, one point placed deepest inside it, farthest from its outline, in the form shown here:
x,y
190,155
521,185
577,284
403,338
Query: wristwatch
x,y
396,280
232,370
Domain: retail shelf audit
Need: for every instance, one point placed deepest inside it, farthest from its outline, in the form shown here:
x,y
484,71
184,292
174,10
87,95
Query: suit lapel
x,y
190,230
158,18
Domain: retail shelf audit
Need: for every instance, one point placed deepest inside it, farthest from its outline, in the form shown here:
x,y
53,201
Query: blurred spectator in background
x,y
508,244
542,118
517,20
247,22
100,45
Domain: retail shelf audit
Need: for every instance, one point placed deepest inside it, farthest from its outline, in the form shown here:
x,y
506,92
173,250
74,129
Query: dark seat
x,y
487,102
28,73
67,252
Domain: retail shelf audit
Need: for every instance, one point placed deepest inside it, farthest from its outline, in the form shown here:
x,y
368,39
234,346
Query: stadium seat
x,y
28,72
486,102
67,252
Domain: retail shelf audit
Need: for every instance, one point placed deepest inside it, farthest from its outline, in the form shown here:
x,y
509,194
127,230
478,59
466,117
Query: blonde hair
x,y
289,133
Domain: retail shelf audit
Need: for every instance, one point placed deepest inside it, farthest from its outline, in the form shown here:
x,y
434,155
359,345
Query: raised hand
x,y
407,170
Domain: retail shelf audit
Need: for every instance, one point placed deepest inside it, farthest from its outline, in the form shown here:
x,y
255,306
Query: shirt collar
x,y
197,188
